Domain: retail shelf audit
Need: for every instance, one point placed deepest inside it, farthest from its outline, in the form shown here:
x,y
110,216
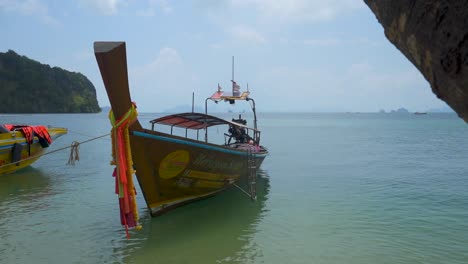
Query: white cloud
x,y
299,10
246,34
215,45
389,89
83,55
149,12
322,42
105,7
364,41
163,5
359,87
162,82
29,8
166,57
300,89
372,81
154,5
335,41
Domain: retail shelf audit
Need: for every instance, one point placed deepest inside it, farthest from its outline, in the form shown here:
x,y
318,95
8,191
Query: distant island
x,y
400,110
403,110
28,86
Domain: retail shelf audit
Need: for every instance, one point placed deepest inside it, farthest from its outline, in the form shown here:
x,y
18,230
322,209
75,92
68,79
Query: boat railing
x,y
243,97
243,134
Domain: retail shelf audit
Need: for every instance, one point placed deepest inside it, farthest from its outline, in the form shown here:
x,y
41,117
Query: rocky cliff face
x,y
433,35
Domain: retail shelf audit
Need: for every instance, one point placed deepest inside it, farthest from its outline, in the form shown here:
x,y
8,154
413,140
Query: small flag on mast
x,y
218,93
235,89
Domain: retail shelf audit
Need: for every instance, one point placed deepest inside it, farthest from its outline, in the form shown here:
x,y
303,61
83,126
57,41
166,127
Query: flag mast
x,y
233,82
193,101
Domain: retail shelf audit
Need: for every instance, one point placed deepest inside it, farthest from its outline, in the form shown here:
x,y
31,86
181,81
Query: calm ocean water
x,y
336,188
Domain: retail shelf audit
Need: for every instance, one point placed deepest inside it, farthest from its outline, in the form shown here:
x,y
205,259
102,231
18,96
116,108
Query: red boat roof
x,y
194,121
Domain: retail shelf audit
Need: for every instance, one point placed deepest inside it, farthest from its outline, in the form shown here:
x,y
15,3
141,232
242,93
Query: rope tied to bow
x,y
123,172
74,153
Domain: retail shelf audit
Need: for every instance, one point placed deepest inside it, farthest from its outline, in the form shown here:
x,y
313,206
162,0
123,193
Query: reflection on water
x,y
27,185
21,194
219,229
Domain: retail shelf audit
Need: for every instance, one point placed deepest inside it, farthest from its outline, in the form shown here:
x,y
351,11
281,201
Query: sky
x,y
295,55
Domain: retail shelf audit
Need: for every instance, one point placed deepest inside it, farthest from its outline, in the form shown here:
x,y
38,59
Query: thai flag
x,y
217,94
235,89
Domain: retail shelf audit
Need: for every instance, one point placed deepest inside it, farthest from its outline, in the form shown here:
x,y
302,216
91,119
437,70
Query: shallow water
x,y
336,188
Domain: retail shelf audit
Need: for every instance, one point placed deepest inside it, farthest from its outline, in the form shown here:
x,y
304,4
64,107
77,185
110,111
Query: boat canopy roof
x,y
194,121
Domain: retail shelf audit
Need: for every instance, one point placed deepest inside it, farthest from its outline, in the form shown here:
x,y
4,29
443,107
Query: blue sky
x,y
296,55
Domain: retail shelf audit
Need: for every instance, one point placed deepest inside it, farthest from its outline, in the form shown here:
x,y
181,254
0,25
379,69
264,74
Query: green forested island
x,y
27,86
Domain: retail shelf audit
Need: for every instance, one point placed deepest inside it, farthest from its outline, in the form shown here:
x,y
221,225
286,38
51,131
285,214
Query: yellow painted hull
x,y
173,171
29,154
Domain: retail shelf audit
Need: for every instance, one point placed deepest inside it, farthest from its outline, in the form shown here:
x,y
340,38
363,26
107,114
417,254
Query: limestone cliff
x,y
27,86
433,35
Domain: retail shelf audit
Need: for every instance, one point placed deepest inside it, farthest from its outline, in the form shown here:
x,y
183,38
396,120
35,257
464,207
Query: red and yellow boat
x,y
171,169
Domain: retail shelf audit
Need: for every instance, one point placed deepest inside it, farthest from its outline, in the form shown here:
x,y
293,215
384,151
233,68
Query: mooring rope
x,y
83,134
56,150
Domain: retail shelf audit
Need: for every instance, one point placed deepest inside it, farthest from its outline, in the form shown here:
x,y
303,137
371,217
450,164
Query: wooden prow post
x,y
112,60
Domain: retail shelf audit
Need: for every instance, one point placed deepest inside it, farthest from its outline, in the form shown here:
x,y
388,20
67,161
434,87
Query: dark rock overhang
x,y
433,35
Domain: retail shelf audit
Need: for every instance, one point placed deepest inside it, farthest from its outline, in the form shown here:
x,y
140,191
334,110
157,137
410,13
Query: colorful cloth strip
x,y
123,172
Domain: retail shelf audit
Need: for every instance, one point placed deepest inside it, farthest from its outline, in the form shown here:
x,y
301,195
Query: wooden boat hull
x,y
173,171
8,141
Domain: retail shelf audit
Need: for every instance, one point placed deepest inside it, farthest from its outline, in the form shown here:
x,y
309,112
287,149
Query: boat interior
x,y
238,134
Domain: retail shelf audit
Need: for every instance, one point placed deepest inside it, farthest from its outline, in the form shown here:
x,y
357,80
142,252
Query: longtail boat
x,y
22,145
173,170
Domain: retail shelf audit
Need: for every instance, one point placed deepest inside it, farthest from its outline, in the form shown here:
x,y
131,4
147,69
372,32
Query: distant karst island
x,y
403,110
28,86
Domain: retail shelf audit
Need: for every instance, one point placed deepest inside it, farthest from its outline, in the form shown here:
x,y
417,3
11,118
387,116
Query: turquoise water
x,y
336,188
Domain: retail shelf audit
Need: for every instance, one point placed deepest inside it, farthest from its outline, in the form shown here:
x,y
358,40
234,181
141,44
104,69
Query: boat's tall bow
x,y
112,60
